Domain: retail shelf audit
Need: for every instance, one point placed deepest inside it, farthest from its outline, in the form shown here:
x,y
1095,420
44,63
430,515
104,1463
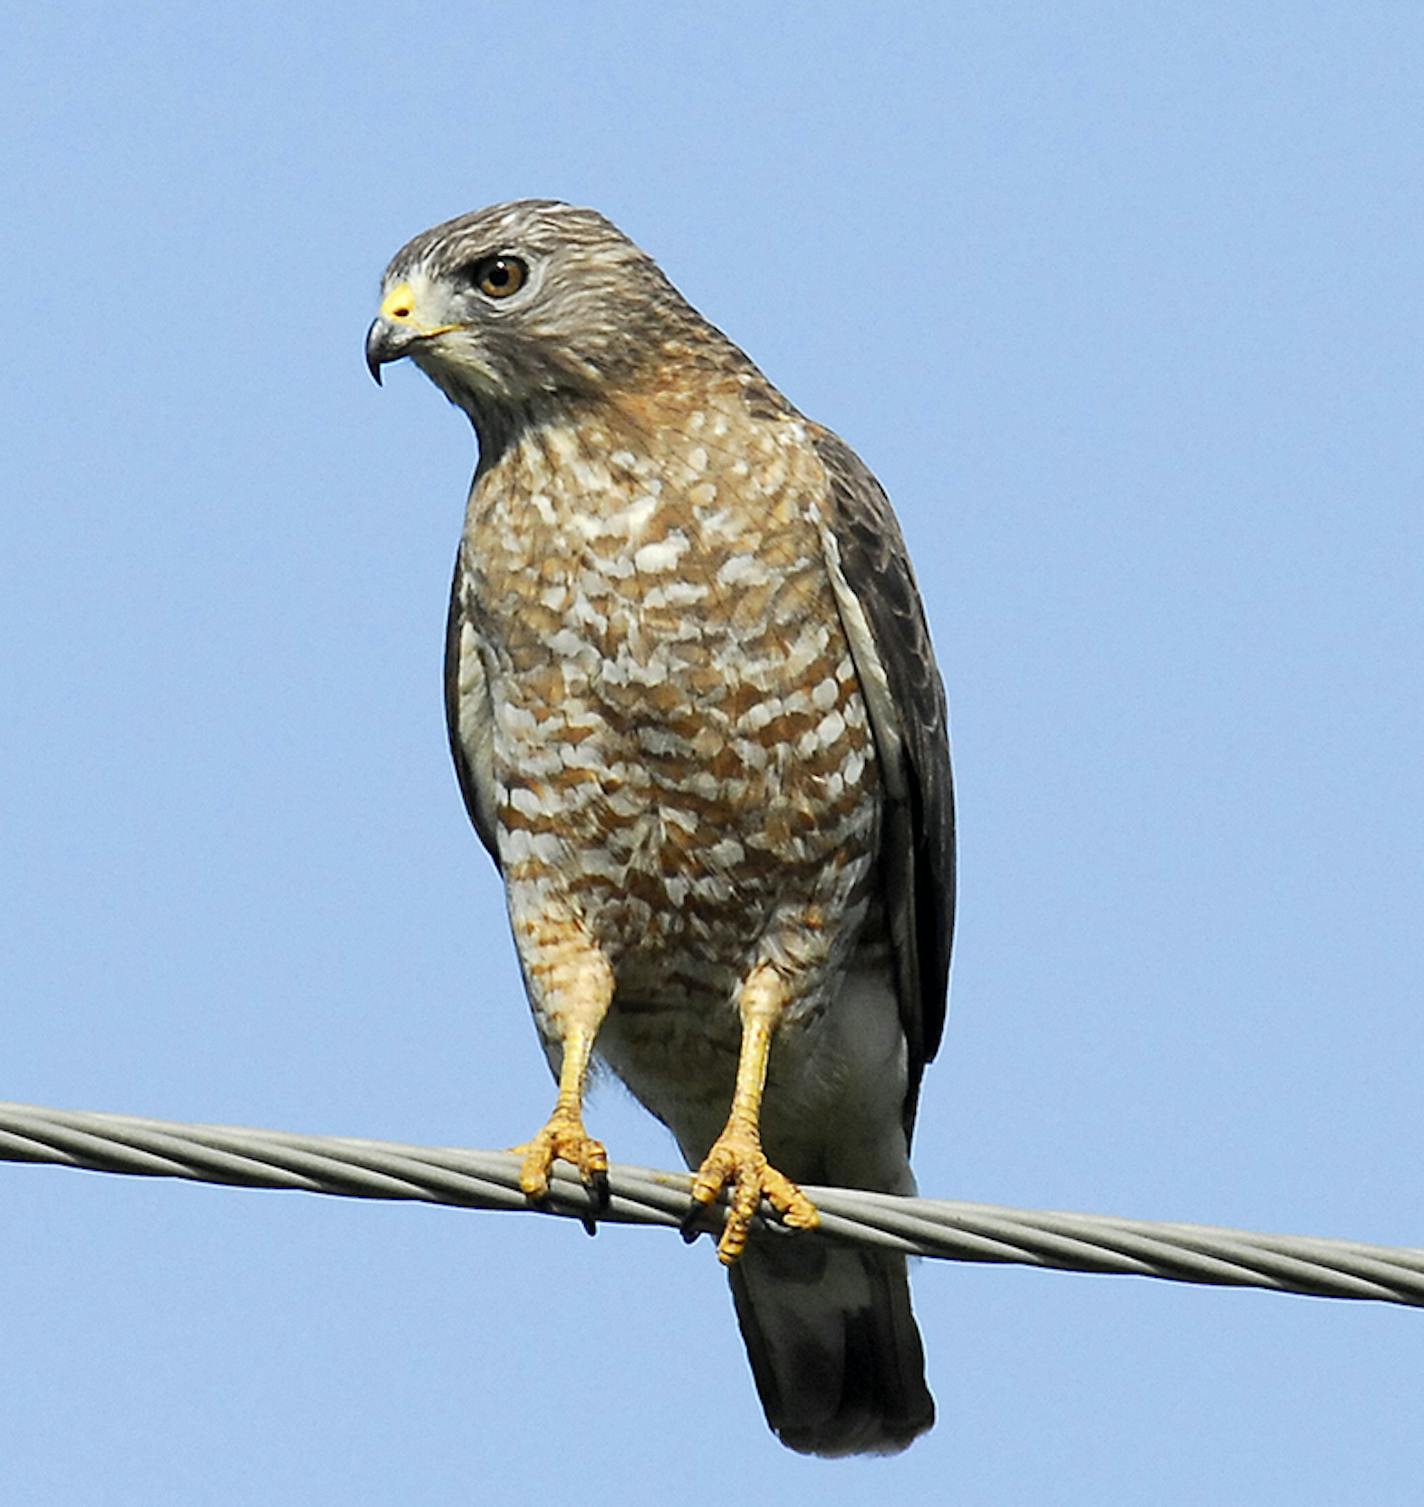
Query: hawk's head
x,y
524,300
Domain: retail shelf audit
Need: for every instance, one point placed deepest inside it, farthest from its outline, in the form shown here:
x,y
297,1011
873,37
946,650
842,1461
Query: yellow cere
x,y
399,303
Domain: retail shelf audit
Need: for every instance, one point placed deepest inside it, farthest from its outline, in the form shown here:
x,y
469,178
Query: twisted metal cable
x,y
919,1226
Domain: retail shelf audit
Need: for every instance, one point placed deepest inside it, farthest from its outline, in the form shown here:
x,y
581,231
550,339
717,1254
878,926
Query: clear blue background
x,y
1123,305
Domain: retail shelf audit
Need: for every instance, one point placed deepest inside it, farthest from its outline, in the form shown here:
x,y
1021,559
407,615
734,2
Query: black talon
x,y
596,1186
691,1226
600,1191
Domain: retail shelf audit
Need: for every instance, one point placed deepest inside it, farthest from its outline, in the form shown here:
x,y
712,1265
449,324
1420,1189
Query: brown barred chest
x,y
681,751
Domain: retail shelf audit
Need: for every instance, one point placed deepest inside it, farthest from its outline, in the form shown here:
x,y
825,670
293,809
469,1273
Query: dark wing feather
x,y
912,736
467,713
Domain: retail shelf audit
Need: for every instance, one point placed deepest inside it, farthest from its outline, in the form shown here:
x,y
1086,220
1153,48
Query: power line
x,y
939,1228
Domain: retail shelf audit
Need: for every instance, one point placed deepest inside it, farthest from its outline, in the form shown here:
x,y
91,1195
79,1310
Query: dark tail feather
x,y
833,1346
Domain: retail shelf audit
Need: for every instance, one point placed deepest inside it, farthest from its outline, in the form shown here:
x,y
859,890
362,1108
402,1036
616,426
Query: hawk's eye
x,y
499,276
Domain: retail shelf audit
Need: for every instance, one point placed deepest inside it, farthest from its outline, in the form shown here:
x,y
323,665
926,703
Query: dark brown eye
x,y
499,276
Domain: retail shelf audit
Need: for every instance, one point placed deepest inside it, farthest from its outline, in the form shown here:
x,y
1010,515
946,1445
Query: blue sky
x,y
1122,303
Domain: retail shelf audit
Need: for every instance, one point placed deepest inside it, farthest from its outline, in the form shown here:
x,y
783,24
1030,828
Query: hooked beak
x,y
386,342
396,329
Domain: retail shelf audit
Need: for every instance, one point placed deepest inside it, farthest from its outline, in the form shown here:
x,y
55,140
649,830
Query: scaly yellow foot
x,y
736,1159
564,1139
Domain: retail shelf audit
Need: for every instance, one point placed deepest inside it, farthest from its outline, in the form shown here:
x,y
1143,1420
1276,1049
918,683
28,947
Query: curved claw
x,y
692,1225
598,1187
600,1194
736,1160
564,1139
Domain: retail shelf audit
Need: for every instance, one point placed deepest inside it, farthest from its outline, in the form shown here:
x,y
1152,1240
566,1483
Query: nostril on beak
x,y
401,311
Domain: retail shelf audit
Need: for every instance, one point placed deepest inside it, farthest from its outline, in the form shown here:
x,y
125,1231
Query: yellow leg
x,y
573,986
736,1157
563,1137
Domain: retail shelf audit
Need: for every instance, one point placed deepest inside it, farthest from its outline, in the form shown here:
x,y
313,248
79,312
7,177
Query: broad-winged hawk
x,y
698,726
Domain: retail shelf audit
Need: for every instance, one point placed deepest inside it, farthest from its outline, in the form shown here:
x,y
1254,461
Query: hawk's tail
x,y
833,1346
